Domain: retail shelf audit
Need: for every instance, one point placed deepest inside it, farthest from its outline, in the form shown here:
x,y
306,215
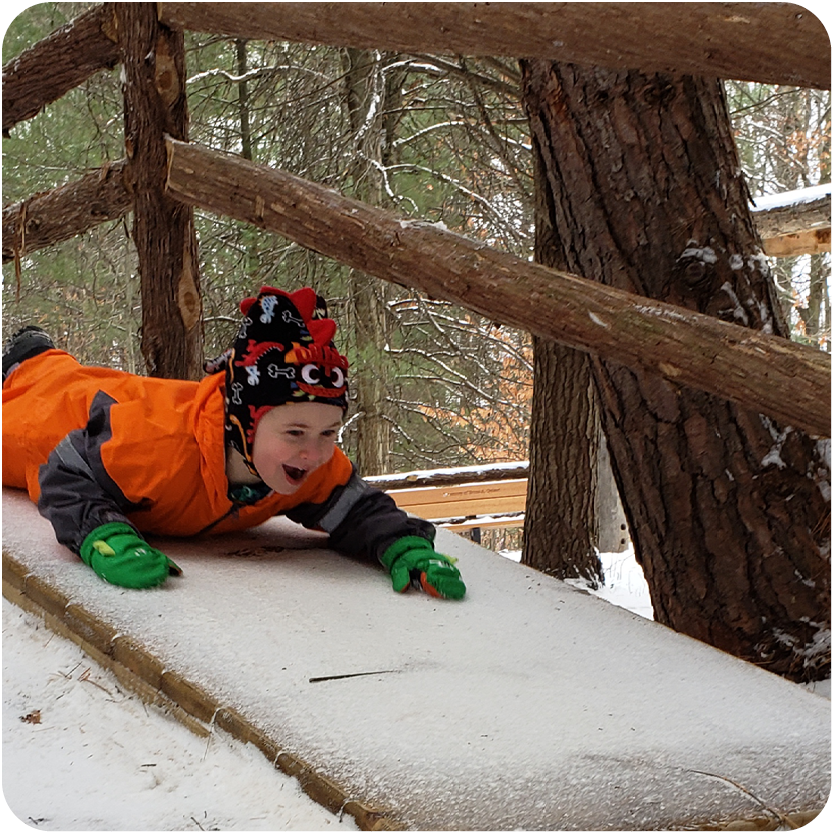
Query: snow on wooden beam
x,y
790,211
483,522
785,380
794,222
463,500
451,476
465,497
777,43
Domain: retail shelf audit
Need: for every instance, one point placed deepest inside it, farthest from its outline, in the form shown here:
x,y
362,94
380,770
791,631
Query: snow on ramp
x,y
529,705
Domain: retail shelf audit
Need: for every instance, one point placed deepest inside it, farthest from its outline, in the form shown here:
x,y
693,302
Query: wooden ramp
x,y
529,705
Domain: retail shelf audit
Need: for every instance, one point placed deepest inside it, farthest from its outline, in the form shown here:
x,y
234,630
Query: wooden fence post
x,y
163,228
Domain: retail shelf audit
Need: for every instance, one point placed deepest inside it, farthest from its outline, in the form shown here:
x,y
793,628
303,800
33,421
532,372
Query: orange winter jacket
x,y
94,445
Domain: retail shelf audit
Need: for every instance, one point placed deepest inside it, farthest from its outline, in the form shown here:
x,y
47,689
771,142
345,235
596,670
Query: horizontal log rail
x,y
808,242
787,381
59,63
53,216
462,498
795,223
482,522
793,211
776,43
464,506
49,217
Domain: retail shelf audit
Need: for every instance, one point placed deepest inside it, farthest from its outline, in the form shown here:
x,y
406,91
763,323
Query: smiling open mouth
x,y
294,475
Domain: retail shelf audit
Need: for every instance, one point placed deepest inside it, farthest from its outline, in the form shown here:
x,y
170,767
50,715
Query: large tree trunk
x,y
729,511
163,228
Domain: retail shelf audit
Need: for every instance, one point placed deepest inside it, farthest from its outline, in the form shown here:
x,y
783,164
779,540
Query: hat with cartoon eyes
x,y
283,353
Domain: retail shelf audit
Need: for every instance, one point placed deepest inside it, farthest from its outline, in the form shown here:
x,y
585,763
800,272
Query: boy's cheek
x,y
329,455
270,456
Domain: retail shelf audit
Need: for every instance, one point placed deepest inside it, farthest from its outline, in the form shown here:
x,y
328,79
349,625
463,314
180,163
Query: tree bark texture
x,y
58,64
728,509
789,381
364,91
163,228
778,43
56,215
560,527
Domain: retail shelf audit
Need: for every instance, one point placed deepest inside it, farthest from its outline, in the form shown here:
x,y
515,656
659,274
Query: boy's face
x,y
293,440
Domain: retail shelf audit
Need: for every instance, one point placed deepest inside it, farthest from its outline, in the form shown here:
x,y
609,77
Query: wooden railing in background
x,y
463,498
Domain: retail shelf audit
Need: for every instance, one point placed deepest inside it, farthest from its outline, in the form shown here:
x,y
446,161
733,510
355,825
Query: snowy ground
x,y
81,753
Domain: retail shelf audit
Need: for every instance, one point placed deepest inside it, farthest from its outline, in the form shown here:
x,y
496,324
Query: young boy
x,y
109,456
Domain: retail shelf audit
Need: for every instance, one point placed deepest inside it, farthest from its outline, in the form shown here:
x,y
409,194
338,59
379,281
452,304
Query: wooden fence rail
x,y
467,504
789,382
779,43
797,227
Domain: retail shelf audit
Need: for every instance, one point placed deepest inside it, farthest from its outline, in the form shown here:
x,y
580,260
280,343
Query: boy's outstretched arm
x,y
361,521
87,509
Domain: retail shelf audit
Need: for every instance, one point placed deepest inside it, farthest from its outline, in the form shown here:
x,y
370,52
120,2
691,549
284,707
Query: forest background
x,y
440,139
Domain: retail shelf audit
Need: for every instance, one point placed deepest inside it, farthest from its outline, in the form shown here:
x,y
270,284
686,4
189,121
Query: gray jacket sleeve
x,y
77,495
361,520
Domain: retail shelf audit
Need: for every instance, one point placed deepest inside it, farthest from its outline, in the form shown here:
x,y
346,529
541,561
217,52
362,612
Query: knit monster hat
x,y
283,353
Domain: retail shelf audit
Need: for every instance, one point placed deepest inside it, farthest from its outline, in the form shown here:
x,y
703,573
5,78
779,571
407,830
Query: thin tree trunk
x,y
728,510
243,99
560,526
163,228
816,295
365,99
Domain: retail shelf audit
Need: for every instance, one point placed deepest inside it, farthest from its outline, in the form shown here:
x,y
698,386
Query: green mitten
x,y
412,560
120,556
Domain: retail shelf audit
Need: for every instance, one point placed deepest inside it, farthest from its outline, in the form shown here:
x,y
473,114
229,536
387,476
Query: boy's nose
x,y
310,452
